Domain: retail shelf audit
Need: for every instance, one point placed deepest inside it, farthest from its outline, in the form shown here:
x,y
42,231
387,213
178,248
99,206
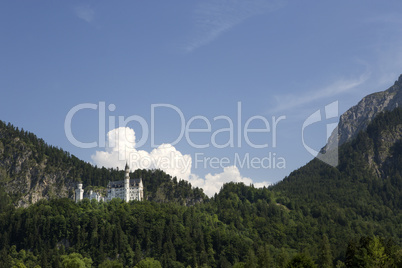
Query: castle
x,y
127,190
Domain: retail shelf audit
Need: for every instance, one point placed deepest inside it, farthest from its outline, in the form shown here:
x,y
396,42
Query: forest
x,y
318,216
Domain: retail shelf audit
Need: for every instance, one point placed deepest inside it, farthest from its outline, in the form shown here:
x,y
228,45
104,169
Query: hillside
x,y
31,170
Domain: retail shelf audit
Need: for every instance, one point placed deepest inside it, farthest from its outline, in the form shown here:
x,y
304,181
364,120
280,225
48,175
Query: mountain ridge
x,y
357,118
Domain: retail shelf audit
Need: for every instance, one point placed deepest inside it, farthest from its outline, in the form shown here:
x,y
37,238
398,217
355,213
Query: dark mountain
x,y
364,192
369,171
370,161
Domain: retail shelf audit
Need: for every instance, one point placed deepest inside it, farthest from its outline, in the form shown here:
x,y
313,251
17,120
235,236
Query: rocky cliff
x,y
25,171
358,117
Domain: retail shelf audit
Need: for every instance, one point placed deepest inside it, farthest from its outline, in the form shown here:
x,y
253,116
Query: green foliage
x,y
110,264
148,263
239,265
325,254
301,261
75,260
372,252
161,187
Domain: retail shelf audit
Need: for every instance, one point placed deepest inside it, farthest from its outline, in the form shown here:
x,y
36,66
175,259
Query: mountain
x,y
359,116
364,192
31,170
369,170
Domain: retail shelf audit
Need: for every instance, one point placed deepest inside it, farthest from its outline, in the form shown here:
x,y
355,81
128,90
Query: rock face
x,y
384,156
359,116
25,178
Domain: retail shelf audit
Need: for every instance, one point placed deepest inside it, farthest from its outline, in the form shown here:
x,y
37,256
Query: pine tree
x,y
325,255
251,259
264,257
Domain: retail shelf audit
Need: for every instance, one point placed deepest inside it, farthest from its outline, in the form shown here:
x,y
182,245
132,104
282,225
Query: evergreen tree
x,y
301,260
325,255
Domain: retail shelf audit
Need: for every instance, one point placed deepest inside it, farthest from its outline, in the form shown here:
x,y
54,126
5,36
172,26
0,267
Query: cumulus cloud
x,y
85,13
262,184
212,18
121,149
213,183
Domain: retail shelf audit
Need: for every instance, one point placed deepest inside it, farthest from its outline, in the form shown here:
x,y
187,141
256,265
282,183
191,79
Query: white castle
x,y
127,190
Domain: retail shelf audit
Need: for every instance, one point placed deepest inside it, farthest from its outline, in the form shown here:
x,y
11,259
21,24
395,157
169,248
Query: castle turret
x,y
140,190
127,184
79,192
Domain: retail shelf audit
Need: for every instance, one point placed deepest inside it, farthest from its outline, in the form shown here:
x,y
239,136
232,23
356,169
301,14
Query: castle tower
x,y
127,184
140,191
79,192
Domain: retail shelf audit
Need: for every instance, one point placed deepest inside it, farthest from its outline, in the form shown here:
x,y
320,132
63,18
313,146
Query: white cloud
x,y
85,13
121,150
389,63
342,85
213,183
262,184
214,17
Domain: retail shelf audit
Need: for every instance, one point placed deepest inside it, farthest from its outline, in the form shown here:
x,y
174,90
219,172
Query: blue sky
x,y
282,59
